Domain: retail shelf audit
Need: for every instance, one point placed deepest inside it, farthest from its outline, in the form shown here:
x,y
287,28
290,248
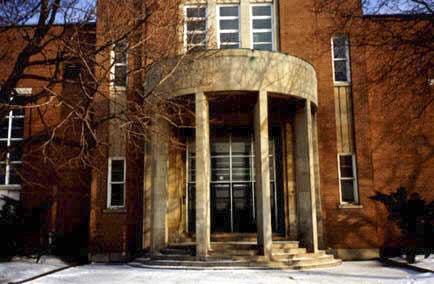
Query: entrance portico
x,y
266,75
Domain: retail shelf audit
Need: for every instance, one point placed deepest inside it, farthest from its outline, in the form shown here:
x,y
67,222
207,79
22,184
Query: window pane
x,y
71,71
230,11
220,169
262,37
229,37
120,76
229,24
196,25
117,195
117,174
241,168
15,151
220,148
261,11
2,173
121,52
228,46
14,173
339,47
347,188
341,71
262,24
17,127
346,160
196,38
4,127
3,150
346,172
196,12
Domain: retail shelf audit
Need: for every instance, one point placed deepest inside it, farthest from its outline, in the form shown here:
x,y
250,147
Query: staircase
x,y
238,255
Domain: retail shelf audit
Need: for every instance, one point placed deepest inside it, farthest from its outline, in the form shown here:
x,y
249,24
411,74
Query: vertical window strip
x,y
11,137
116,183
262,27
228,23
341,58
120,64
195,27
347,178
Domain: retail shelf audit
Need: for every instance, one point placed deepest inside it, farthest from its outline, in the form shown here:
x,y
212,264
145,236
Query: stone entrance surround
x,y
267,74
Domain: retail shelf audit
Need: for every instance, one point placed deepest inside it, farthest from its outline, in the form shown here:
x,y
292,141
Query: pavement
x,y
347,273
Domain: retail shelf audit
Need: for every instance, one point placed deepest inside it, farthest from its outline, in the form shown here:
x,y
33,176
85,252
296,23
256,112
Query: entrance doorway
x,y
233,181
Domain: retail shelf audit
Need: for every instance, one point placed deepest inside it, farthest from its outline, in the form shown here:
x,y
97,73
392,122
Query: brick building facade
x,y
288,108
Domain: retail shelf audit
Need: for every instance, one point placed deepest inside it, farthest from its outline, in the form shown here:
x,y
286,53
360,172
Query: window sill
x,y
10,187
118,89
350,206
115,210
342,84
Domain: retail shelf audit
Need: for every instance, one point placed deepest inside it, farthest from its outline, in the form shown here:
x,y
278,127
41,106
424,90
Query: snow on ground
x,y
347,273
421,261
24,269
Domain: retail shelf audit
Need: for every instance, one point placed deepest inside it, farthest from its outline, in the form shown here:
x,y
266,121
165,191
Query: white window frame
x,y
347,59
252,30
9,139
110,182
113,68
218,17
185,25
354,179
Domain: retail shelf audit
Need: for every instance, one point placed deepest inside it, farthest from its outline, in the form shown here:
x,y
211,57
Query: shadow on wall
x,y
16,228
415,220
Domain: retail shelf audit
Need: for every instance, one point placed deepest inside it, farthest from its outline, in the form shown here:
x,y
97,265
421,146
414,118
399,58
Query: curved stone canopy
x,y
234,70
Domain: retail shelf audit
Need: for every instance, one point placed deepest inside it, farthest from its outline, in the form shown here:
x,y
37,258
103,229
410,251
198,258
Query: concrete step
x,y
310,260
326,264
294,255
230,252
181,250
288,251
285,244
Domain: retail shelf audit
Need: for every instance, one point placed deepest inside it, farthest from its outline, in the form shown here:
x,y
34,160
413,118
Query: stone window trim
x,y
262,17
353,178
221,31
346,58
188,19
110,183
7,185
114,65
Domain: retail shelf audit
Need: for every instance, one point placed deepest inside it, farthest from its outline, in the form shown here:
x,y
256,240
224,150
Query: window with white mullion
x,y
11,137
195,27
262,27
228,22
116,183
347,178
341,59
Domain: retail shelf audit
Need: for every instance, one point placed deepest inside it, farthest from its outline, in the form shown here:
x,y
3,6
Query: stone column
x,y
305,178
203,169
245,24
159,182
262,176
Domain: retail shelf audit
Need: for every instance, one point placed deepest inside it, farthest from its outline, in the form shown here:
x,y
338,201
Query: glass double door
x,y
232,182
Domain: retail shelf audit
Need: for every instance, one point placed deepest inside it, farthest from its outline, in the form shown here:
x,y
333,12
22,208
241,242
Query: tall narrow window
x,y
228,26
11,137
116,183
341,59
195,28
262,27
120,64
347,179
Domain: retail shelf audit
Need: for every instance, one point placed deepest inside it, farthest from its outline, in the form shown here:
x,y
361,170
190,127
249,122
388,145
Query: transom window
x,y
262,27
347,179
120,64
11,137
195,36
228,17
341,59
116,183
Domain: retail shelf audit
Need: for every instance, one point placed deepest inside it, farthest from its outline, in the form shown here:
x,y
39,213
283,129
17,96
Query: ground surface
x,y
347,273
421,262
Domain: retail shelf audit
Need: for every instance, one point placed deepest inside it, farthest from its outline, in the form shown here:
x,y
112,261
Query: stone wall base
x,y
109,257
355,254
